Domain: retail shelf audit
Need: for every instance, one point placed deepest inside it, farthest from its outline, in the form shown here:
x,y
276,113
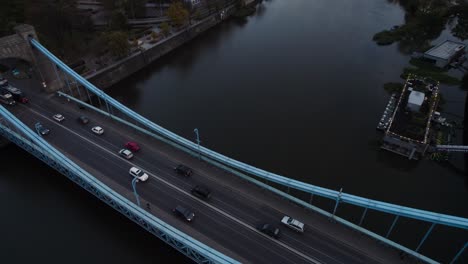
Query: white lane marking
x,y
187,194
171,159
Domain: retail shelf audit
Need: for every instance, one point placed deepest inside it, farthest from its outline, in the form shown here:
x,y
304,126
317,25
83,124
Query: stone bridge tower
x,y
18,46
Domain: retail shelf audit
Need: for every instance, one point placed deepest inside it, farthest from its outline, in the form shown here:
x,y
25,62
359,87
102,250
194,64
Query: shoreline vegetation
x,y
424,21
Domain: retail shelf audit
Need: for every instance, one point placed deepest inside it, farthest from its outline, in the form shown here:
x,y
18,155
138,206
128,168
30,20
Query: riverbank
x,y
149,53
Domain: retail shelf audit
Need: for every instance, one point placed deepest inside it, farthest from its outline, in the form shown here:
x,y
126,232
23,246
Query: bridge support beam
x,y
363,215
425,236
40,61
393,225
459,253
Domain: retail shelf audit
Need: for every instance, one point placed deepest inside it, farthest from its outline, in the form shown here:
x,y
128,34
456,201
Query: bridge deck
x,y
242,205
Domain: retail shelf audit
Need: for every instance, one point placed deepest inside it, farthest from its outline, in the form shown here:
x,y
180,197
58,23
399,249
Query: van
x,y
201,192
184,213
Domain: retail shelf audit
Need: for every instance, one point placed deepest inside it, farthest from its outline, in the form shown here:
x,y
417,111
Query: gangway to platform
x,y
451,148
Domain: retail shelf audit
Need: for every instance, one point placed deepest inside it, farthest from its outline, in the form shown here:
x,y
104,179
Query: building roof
x,y
445,50
416,98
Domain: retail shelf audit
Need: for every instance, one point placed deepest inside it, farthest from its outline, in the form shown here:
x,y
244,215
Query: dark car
x,y
184,213
41,129
83,120
20,97
183,170
201,192
269,229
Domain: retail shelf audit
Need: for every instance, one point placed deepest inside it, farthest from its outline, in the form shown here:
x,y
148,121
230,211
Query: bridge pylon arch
x,y
18,46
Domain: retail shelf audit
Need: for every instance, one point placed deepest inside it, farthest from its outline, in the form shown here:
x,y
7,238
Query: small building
x,y
444,53
415,100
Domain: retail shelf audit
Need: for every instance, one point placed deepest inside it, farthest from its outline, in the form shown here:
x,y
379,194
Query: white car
x,y
293,224
97,130
139,174
58,117
126,153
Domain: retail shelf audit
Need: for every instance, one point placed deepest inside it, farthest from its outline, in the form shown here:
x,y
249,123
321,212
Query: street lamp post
x,y
134,181
198,142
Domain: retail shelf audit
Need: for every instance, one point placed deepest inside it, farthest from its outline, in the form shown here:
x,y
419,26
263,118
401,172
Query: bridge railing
x,y
24,137
207,154
423,215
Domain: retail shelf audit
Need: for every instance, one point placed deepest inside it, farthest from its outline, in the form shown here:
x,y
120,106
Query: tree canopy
x,y
177,13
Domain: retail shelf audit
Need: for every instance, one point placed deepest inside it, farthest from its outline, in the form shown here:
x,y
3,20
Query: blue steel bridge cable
x,y
331,194
44,147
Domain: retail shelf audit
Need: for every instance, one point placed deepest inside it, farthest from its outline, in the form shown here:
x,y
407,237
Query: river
x,y
295,89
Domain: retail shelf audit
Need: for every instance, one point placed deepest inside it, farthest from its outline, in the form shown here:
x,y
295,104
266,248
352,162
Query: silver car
x,y
293,224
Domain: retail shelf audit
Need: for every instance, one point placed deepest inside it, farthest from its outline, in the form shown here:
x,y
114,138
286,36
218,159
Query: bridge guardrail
x,y
422,215
46,152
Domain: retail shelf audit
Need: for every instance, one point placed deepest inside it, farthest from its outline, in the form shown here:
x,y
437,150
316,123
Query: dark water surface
x,y
296,89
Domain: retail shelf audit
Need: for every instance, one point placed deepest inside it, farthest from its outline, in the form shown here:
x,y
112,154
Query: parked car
x,y
133,146
20,98
3,81
293,224
201,192
83,120
126,153
138,173
269,230
16,94
97,130
41,129
183,170
184,213
7,99
58,117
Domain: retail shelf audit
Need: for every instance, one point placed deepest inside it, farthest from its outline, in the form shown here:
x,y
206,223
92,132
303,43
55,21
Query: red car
x,y
24,100
133,146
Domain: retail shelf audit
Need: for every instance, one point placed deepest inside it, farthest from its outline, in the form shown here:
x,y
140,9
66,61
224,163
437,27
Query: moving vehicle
x,y
183,170
126,153
184,213
269,230
201,192
83,120
41,129
133,146
139,174
293,224
58,117
97,130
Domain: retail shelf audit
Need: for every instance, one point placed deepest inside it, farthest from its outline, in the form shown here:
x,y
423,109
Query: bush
x,y
393,87
165,28
426,65
438,76
386,37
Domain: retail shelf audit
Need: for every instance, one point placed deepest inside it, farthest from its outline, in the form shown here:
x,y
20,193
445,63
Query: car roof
x,y
201,188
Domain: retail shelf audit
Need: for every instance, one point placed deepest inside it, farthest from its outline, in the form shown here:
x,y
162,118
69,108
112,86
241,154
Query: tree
x,y
154,35
178,14
117,42
136,8
464,82
164,28
118,21
11,12
461,29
